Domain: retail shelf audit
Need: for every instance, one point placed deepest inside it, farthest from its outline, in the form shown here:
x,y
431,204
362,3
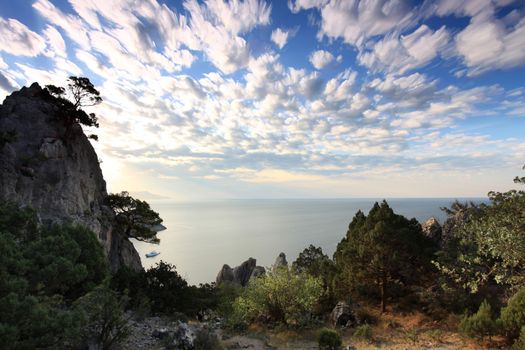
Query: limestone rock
x,y
240,274
243,272
432,229
224,275
56,171
343,316
280,261
258,271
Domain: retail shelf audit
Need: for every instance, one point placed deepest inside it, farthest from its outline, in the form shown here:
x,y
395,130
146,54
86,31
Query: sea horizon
x,y
202,235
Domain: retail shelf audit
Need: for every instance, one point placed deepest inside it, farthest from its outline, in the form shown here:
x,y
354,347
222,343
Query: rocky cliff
x,y
56,171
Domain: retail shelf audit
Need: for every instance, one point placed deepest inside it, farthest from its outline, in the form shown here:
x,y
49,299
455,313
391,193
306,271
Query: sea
x,y
203,236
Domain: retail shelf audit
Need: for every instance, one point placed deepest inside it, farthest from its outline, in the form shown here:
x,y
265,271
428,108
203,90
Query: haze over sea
x,y
202,236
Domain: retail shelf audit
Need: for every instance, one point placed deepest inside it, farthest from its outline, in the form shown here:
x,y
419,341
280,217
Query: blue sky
x,y
300,98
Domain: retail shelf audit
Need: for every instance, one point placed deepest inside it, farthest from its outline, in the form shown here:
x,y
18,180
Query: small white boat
x,y
152,254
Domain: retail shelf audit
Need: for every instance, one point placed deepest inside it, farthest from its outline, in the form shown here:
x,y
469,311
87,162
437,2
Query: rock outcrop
x,y
240,274
343,316
432,229
280,261
55,170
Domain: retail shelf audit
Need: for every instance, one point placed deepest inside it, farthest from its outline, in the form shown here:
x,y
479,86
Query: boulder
x,y
240,274
182,335
343,316
258,271
280,261
432,229
224,275
243,272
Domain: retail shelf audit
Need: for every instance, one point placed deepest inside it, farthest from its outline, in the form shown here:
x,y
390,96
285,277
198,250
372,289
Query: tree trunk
x,y
383,292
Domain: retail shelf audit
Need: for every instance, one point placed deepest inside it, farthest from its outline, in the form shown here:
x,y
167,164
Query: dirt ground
x,y
397,332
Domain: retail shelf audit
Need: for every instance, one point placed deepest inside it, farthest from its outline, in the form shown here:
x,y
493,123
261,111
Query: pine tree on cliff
x,y
135,217
380,249
80,93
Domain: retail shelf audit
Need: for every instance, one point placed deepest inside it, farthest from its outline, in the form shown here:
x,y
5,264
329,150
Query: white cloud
x,y
320,59
398,55
355,21
72,25
486,44
280,37
240,16
55,42
19,40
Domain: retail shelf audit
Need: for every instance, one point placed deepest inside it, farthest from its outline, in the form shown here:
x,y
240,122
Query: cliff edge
x,y
55,170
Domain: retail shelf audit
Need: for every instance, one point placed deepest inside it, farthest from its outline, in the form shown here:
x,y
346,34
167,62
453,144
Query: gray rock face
x,y
243,272
224,275
280,261
432,229
343,316
240,274
258,271
56,171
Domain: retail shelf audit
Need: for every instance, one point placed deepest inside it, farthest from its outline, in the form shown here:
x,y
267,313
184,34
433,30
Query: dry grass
x,y
411,331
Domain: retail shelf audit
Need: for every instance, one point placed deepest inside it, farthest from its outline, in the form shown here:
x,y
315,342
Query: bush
x,y
165,288
329,339
280,296
519,344
480,324
512,317
205,340
101,317
364,332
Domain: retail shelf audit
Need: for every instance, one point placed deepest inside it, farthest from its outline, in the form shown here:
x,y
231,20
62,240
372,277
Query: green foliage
x,y
488,247
280,296
314,262
101,318
226,294
329,339
80,93
205,340
363,332
135,217
512,317
480,324
381,248
162,290
519,344
42,270
166,288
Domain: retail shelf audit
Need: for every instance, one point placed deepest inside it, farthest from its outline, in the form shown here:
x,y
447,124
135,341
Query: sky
x,y
287,99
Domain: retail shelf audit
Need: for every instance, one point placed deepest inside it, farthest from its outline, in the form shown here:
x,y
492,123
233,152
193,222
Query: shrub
x,y
512,316
480,324
165,288
101,317
205,340
329,339
280,296
364,332
519,344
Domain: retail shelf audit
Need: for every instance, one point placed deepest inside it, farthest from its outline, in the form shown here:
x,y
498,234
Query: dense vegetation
x,y
381,249
42,272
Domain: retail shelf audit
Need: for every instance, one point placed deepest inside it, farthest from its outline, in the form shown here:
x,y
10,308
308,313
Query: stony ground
x,y
411,332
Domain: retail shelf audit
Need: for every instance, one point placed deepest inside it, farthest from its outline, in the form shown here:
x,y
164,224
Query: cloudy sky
x,y
300,98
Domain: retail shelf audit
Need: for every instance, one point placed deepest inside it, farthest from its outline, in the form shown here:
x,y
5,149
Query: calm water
x,y
202,236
